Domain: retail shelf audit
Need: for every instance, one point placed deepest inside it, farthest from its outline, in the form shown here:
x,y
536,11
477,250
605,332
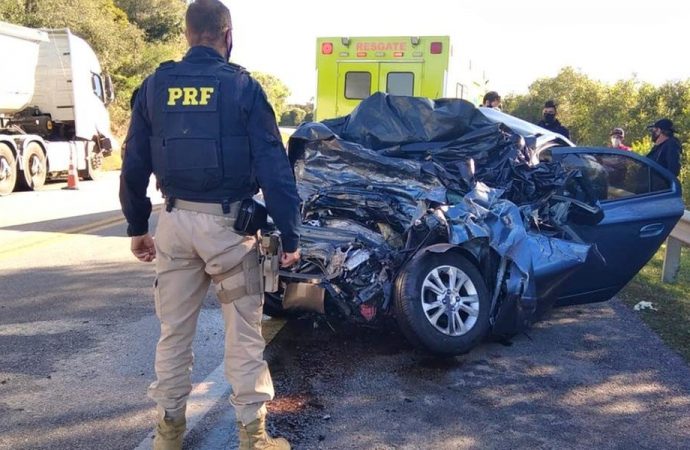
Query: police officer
x,y
204,127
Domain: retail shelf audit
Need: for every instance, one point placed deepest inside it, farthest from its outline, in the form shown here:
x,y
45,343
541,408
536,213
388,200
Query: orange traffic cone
x,y
72,175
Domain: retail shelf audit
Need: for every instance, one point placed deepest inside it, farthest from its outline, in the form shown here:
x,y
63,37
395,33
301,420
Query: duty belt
x,y
215,209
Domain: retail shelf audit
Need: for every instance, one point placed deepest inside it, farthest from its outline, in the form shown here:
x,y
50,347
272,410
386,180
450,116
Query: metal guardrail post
x,y
671,260
679,236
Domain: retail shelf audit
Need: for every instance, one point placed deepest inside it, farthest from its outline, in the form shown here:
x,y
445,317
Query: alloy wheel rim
x,y
450,301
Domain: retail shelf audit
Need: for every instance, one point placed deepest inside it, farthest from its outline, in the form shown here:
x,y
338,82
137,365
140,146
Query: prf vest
x,y
199,144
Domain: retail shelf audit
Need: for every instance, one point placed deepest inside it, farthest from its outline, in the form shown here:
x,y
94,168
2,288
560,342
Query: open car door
x,y
641,203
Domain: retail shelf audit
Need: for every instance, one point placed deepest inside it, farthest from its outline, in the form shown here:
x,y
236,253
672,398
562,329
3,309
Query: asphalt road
x,y
587,377
77,323
78,331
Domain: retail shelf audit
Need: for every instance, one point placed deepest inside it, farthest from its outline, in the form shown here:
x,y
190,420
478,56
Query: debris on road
x,y
644,305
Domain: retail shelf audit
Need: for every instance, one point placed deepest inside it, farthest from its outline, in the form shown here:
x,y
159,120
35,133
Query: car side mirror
x,y
109,89
580,212
583,214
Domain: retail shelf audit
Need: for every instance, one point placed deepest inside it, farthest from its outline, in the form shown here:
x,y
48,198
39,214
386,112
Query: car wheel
x,y
33,176
442,303
8,170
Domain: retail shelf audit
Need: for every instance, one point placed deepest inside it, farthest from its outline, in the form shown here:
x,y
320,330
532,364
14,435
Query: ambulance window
x,y
400,83
357,85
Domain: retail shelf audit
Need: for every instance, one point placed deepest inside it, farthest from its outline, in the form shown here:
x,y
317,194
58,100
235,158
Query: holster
x,y
271,251
251,217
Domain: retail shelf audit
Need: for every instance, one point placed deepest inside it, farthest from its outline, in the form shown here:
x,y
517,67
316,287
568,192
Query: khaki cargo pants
x,y
193,249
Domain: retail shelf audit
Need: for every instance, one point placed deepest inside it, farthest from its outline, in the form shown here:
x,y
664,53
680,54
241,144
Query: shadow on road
x,y
109,223
76,355
59,225
587,377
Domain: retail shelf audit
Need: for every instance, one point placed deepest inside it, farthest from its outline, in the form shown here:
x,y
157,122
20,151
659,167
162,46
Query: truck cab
x,y
53,107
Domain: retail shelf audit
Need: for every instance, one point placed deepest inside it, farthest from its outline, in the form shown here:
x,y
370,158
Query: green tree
x,y
292,116
309,108
13,11
161,20
576,95
276,91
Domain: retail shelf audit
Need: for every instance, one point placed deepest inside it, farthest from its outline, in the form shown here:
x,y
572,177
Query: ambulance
x,y
350,69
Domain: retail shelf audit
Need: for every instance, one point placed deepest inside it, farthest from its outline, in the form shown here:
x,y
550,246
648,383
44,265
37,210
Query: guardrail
x,y
287,130
679,236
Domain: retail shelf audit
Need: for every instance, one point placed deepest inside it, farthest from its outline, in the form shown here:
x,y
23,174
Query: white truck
x,y
53,99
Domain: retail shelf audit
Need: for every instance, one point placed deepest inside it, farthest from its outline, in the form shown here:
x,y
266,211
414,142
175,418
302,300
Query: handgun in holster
x,y
271,250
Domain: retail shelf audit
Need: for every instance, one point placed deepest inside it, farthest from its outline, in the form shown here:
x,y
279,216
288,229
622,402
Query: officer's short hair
x,y
209,19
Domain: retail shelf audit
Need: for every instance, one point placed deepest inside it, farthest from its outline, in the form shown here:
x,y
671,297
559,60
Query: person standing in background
x,y
617,136
667,148
492,100
549,120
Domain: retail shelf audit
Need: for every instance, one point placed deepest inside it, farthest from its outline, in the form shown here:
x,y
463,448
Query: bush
x,y
293,117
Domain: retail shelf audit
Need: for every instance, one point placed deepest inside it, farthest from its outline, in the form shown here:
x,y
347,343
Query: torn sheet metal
x,y
402,173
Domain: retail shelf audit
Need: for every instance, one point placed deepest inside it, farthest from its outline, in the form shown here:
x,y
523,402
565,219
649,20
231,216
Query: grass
x,y
671,321
113,162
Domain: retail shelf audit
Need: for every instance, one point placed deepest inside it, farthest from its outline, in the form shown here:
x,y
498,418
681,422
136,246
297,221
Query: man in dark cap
x,y
492,100
549,120
617,137
667,148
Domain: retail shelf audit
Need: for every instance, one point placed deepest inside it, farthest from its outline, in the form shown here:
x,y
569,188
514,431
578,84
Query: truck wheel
x,y
94,164
35,167
442,303
8,170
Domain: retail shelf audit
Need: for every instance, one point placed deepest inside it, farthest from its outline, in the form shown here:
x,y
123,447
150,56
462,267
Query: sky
x,y
516,42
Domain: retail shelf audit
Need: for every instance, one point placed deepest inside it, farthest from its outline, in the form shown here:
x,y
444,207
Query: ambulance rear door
x,y
401,78
356,81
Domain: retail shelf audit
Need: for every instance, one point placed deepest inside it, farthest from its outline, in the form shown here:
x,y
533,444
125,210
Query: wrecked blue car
x,y
463,223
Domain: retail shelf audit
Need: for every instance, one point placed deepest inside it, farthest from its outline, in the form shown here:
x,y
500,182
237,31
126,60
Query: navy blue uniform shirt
x,y
556,127
269,162
667,154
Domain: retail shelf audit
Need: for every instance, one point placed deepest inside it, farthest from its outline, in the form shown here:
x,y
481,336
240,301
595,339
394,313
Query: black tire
x,y
8,170
273,305
35,167
94,164
411,293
